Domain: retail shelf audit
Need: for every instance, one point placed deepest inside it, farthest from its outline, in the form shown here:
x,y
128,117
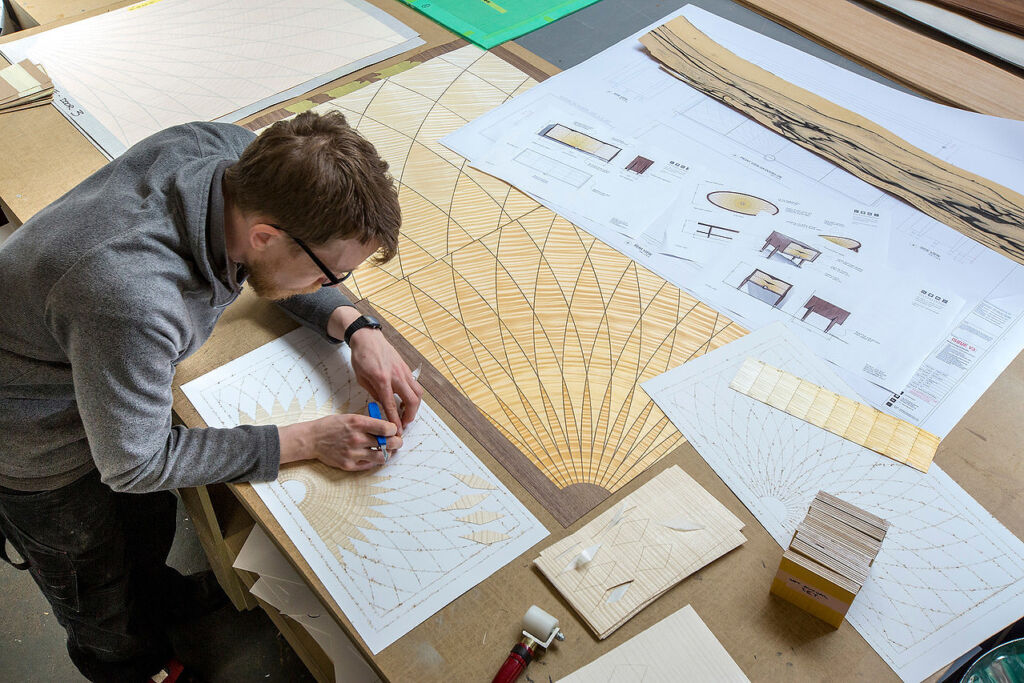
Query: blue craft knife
x,y
381,441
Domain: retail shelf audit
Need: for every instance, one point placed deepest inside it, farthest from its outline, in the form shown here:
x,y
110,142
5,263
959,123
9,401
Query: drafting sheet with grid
x,y
392,545
948,574
126,74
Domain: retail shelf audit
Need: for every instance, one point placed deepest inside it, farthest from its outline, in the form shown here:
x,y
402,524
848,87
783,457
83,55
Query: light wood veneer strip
x,y
852,420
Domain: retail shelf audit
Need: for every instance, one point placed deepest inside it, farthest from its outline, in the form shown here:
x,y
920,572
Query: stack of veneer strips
x,y
24,85
829,558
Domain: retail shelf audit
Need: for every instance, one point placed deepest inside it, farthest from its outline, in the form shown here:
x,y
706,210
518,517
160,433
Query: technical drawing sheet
x,y
391,545
127,74
623,90
948,574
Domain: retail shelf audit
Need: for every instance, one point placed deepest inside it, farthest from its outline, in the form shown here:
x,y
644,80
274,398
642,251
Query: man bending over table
x,y
105,291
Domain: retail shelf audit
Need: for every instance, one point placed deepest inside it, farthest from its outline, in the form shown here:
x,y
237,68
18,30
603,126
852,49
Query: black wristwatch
x,y
358,324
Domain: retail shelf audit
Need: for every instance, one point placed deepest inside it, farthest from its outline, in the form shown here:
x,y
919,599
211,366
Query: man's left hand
x,y
381,371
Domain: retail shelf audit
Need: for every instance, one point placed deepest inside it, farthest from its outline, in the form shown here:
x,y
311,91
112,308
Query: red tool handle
x,y
510,670
517,660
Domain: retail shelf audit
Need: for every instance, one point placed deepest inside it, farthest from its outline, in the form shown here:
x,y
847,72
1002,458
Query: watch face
x,y
371,321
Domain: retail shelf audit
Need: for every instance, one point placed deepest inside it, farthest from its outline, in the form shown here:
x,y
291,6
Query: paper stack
x,y
627,557
24,85
829,558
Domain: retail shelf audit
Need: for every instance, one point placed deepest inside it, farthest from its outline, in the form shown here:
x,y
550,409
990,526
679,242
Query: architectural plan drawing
x,y
392,545
628,93
129,73
681,642
948,575
543,328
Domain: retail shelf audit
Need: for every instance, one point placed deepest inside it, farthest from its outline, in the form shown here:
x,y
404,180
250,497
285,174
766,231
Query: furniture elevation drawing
x,y
769,283
835,315
716,231
846,242
795,250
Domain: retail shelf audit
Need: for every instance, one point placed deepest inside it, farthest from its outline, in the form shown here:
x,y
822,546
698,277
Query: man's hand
x,y
379,369
348,442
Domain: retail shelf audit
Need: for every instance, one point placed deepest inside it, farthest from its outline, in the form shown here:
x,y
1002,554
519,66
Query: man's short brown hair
x,y
320,180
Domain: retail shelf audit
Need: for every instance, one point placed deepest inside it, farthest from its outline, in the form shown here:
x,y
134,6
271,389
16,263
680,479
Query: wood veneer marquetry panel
x,y
852,420
544,331
979,208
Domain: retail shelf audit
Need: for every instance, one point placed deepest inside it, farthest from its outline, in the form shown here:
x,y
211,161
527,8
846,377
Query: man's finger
x,y
394,443
391,409
363,465
407,391
370,425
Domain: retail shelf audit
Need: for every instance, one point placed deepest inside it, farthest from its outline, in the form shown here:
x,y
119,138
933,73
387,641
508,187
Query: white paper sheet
x,y
948,574
391,545
629,93
681,642
296,600
126,74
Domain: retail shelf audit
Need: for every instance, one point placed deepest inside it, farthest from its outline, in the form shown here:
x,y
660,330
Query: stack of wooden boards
x,y
24,85
829,558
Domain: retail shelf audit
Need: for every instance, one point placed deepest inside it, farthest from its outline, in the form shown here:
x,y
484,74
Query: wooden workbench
x,y
467,640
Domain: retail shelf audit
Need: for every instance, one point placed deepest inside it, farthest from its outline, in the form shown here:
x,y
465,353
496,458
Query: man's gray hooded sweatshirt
x,y
102,294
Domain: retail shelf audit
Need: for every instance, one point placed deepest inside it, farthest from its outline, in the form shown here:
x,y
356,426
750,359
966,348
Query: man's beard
x,y
261,277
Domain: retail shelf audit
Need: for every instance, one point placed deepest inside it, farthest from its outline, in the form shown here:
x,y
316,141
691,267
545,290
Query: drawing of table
x,y
768,282
796,250
835,315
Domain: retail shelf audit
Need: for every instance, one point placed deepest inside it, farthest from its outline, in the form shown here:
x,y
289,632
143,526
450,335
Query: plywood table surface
x,y
32,13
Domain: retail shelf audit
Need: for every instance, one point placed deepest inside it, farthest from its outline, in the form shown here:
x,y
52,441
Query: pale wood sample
x,y
546,330
680,646
638,556
852,420
979,208
942,72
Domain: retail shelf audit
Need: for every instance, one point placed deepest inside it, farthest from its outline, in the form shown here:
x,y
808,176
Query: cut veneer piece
x,y
852,420
680,642
985,211
633,556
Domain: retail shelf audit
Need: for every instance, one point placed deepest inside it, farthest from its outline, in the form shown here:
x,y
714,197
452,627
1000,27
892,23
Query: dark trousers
x,y
99,558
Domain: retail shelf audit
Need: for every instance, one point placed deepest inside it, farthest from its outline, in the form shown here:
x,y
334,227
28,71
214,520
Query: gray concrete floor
x,y
225,646
229,646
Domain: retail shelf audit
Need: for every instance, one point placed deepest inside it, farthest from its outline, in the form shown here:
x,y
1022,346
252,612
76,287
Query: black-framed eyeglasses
x,y
331,278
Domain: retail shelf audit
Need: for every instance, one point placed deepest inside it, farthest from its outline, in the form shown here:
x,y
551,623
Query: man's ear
x,y
262,235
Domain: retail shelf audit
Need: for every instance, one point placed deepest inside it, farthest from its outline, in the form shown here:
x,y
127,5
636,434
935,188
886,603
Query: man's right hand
x,y
348,442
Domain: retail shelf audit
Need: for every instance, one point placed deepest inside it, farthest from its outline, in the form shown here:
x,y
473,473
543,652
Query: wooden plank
x,y
942,72
979,208
1005,14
